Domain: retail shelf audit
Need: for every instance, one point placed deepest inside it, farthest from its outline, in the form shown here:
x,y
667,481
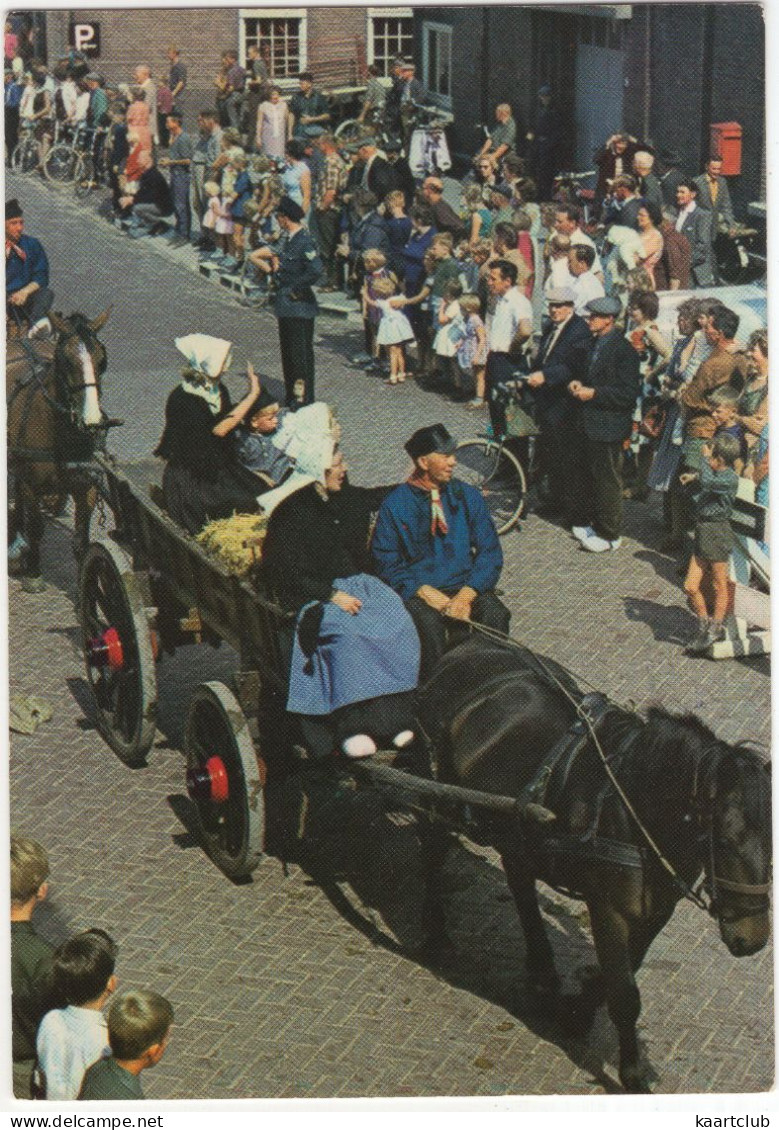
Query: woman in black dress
x,y
355,656
202,480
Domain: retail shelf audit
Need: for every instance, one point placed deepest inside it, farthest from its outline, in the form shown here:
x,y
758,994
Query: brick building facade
x,y
664,72
335,43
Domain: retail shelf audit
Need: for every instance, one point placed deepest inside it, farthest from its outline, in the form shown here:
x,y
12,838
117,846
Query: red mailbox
x,y
726,144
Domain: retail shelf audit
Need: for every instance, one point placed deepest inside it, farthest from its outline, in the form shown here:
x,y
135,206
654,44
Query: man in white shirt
x,y
567,221
585,284
511,325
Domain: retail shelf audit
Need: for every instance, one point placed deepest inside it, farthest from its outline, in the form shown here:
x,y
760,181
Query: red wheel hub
x,y
209,782
106,650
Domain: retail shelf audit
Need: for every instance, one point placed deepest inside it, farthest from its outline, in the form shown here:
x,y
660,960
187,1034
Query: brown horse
x,y
55,424
504,720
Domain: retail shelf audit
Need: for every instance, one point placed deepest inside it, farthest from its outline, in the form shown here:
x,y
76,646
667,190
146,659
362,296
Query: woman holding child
x,y
202,480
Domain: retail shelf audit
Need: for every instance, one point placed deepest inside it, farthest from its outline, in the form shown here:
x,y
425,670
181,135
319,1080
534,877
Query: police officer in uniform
x,y
296,271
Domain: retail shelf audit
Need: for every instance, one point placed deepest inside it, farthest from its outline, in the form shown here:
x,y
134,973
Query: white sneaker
x,y
600,545
358,745
582,532
403,739
41,328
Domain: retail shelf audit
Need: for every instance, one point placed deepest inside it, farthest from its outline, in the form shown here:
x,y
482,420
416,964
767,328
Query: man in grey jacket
x,y
695,223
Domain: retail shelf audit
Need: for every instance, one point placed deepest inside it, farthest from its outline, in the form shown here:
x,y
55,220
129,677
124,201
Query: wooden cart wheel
x,y
225,780
118,650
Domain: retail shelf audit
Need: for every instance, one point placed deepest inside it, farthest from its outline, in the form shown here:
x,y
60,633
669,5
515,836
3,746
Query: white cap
x,y
209,355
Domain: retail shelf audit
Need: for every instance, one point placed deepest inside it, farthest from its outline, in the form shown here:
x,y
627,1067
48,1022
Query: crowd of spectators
x,y
455,283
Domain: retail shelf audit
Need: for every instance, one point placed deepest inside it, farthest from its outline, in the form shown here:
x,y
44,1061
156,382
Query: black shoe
x,y
699,643
715,634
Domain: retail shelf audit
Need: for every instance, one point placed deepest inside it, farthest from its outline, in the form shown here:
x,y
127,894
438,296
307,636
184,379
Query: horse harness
x,y
37,378
549,784
591,711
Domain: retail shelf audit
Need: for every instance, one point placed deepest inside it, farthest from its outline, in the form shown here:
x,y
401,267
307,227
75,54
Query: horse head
x,y
737,848
79,363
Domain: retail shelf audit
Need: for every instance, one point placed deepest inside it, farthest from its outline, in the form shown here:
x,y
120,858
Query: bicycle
x,y
62,159
495,466
577,188
27,151
91,169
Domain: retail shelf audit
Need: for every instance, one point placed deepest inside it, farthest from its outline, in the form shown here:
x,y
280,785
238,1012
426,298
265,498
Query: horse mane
x,y
743,759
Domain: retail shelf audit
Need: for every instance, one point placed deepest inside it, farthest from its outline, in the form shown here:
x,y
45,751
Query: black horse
x,y
55,424
494,713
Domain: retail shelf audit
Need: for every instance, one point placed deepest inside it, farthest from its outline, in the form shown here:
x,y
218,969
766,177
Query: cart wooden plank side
x,y
147,588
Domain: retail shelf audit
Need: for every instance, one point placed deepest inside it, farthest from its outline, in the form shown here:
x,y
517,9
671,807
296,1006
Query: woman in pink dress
x,y
272,125
647,222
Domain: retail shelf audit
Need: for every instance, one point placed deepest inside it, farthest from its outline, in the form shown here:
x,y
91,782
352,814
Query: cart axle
x,y
209,782
106,650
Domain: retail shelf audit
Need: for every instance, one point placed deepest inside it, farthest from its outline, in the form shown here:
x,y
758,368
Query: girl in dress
x,y
217,218
451,330
394,328
376,269
472,348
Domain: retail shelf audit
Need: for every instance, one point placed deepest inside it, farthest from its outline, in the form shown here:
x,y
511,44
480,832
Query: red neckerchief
x,y
438,523
9,247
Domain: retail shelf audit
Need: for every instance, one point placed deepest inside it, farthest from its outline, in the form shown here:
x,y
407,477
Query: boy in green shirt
x,y
138,1031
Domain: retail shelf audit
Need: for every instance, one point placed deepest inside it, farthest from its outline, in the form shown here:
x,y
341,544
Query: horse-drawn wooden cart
x,y
149,587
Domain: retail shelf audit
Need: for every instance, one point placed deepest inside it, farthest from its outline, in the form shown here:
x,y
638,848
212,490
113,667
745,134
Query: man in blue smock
x,y
26,273
436,545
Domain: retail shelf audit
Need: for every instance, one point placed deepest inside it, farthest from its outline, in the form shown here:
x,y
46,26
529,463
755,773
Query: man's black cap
x,y
13,209
432,439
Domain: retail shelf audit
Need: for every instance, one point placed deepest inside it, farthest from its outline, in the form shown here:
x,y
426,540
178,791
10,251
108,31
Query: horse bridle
x,y
712,883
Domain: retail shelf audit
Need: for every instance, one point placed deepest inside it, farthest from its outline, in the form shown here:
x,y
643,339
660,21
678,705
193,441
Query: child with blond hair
x,y
472,348
394,330
375,270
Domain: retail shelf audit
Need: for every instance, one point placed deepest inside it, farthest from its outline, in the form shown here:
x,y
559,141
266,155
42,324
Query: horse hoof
x,y
636,1082
34,585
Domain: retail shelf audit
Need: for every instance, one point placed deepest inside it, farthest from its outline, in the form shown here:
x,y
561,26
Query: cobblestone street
x,y
302,982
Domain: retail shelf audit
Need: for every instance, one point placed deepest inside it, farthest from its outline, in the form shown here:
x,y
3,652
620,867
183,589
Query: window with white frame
x,y
437,61
390,33
284,30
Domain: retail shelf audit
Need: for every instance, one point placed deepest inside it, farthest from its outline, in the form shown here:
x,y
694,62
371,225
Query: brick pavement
x,y
298,984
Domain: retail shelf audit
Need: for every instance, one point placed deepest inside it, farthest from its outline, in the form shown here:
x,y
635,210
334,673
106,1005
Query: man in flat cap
x,y
605,389
376,173
297,270
26,273
436,545
561,343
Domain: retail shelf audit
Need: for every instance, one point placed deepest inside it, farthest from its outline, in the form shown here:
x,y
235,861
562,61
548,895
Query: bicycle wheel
x,y
84,179
60,166
25,156
498,475
350,130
